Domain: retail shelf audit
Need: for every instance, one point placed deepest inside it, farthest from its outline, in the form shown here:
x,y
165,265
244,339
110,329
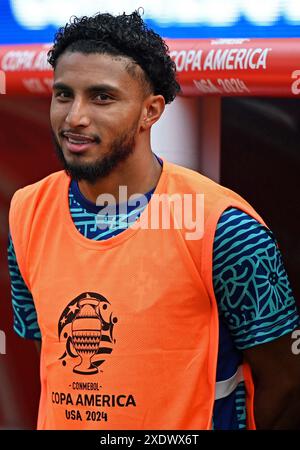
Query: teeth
x,y
73,141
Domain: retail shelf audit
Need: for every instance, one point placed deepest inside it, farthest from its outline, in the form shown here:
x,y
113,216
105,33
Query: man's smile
x,y
77,143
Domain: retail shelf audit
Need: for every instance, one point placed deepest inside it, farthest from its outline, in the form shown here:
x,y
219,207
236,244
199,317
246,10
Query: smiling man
x,y
142,328
120,108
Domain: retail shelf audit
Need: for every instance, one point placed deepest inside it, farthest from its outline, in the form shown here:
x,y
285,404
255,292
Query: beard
x,y
120,149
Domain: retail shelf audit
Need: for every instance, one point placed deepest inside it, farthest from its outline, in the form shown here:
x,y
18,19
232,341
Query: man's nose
x,y
77,115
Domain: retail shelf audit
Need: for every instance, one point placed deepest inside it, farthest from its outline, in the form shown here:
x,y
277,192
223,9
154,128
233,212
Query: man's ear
x,y
153,108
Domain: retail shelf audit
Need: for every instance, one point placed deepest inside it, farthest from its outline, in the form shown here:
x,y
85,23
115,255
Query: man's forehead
x,y
81,71
92,67
93,61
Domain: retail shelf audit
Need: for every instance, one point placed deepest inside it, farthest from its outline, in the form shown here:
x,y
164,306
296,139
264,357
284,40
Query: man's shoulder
x,y
198,182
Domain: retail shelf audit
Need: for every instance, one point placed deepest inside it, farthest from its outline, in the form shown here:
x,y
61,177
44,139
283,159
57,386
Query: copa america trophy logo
x,y
86,326
86,335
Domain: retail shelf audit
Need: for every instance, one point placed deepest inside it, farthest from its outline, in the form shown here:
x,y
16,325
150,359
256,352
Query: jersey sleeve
x,y
251,285
24,312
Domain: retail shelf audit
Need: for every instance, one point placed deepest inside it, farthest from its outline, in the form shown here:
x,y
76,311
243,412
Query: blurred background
x,y
247,143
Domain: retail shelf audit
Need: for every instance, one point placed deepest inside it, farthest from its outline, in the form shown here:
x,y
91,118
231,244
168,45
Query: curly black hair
x,y
123,35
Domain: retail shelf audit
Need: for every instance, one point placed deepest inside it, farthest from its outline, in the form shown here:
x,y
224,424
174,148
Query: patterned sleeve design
x,y
250,282
25,318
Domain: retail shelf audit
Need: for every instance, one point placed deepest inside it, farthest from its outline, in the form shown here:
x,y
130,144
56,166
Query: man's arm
x,y
256,301
276,374
25,316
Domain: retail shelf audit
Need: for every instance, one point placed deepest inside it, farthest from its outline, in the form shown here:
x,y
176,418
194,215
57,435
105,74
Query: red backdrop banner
x,y
231,67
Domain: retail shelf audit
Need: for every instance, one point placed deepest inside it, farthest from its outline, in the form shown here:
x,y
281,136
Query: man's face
x,y
95,113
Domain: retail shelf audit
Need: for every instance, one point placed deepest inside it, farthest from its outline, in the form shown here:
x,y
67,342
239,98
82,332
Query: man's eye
x,y
103,97
62,94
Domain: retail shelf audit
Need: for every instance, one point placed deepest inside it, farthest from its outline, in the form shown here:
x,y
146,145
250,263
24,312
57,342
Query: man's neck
x,y
139,173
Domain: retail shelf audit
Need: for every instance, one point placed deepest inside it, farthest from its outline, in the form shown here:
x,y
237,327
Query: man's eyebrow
x,y
90,89
102,88
59,85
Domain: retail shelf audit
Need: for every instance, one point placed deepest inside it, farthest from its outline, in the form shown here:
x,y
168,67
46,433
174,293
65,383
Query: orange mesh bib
x,y
130,324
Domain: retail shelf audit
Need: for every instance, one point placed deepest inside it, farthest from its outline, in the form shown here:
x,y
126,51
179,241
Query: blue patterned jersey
x,y
255,301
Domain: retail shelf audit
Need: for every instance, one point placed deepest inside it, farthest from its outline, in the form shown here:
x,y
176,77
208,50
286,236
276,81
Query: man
x,y
142,327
